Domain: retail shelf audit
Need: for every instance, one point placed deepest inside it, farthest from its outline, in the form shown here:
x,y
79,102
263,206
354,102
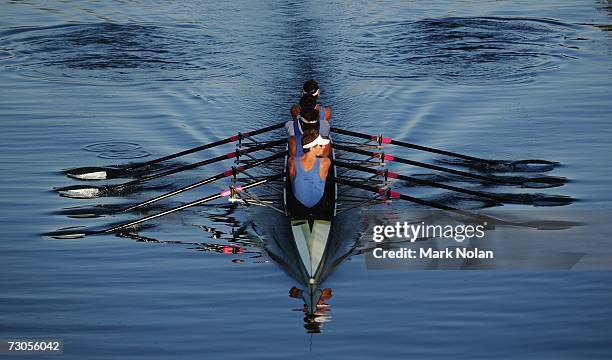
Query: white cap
x,y
302,119
315,94
318,141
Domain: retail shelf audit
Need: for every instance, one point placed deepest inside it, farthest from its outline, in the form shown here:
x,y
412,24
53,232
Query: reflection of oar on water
x,y
88,191
502,165
220,195
515,165
539,182
101,173
542,200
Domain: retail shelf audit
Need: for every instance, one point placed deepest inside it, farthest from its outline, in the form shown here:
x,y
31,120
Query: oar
x,y
394,175
222,194
396,195
87,191
492,220
233,171
549,200
385,157
433,150
101,173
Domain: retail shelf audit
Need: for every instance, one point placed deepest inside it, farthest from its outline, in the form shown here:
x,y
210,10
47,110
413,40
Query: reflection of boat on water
x,y
329,249
307,242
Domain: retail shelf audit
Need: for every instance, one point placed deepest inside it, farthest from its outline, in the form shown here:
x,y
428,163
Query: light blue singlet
x,y
322,113
299,150
308,187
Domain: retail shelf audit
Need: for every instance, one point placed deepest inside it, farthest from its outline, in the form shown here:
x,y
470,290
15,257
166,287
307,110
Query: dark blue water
x,y
92,84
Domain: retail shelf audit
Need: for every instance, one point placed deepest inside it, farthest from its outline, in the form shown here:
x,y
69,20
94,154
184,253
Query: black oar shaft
x,y
193,203
385,157
409,145
417,181
234,170
395,195
205,146
198,164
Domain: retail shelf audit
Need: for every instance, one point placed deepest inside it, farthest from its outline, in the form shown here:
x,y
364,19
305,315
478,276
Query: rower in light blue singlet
x,y
308,187
299,151
307,119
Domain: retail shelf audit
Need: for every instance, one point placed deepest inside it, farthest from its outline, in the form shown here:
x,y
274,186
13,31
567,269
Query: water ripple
x,y
479,50
117,150
118,52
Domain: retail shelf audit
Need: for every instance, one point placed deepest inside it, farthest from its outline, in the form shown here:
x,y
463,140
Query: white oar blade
x,y
91,173
79,192
95,175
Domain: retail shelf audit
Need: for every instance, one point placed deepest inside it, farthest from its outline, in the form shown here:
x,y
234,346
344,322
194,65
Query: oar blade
x,y
80,191
96,173
502,166
545,182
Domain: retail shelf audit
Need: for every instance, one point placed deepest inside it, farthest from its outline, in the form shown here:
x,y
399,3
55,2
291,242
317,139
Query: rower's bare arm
x,y
326,151
291,167
291,144
328,113
324,168
295,111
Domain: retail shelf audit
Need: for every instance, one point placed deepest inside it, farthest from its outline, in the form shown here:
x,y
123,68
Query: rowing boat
x,y
311,232
307,243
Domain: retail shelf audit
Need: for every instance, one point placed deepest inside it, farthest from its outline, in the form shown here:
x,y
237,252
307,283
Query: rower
x,y
309,95
311,87
309,172
307,119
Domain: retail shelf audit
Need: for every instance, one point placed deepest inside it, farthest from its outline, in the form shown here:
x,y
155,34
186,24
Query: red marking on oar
x,y
389,174
227,249
382,140
231,171
383,156
228,192
235,138
392,194
230,155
